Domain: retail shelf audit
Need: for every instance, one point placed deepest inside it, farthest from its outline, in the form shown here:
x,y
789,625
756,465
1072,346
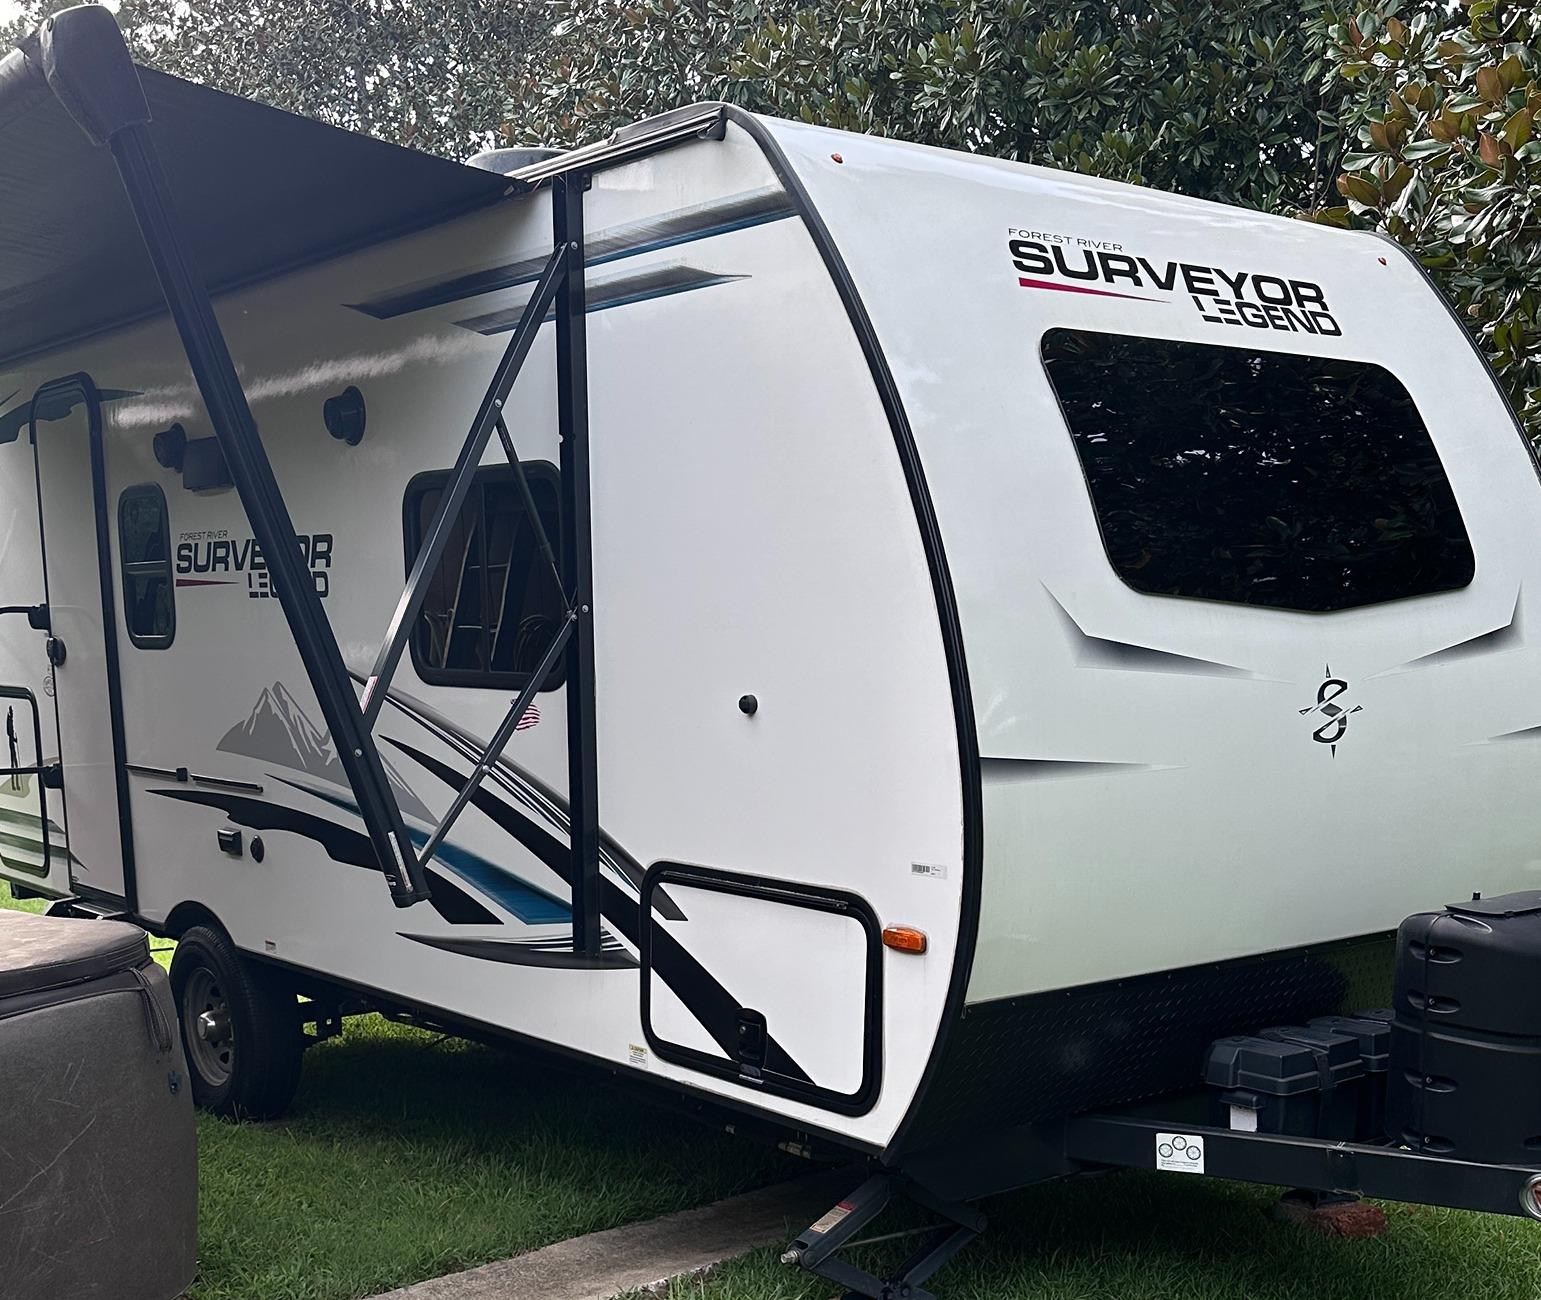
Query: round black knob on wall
x,y
344,416
748,705
170,446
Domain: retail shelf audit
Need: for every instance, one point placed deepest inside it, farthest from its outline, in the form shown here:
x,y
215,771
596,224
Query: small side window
x,y
144,548
492,606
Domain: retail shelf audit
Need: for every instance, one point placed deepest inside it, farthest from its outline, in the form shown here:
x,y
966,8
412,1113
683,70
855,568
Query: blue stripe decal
x,y
530,903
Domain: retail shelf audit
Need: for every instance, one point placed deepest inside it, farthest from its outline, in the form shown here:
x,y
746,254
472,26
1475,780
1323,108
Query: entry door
x,y
67,445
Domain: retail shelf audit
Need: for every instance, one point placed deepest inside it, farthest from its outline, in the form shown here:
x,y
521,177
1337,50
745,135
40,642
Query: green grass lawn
x,y
408,1156
1138,1236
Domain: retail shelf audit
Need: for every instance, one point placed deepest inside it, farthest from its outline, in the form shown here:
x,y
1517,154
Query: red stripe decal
x,y
1076,288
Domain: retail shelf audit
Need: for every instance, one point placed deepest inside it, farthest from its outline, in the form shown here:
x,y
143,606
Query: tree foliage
x,y
1448,161
435,76
1205,98
1418,119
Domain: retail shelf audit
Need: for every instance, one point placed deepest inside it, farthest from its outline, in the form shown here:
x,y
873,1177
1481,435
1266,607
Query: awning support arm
x,y
572,405
87,66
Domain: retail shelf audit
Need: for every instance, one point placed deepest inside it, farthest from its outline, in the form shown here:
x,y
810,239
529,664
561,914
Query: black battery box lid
x,y
1527,902
1370,1029
1283,1062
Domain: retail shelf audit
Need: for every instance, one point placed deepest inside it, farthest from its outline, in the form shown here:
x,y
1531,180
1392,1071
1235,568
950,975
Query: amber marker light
x,y
904,938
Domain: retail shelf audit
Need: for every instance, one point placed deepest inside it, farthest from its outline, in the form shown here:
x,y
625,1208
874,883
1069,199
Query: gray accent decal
x,y
1038,769
1508,637
1524,733
667,230
1099,652
656,282
277,731
517,953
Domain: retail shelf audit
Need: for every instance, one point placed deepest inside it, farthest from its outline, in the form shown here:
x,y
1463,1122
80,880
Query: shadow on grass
x,y
407,1156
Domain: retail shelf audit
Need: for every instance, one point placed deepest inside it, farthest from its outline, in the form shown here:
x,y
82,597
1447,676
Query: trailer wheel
x,y
241,1032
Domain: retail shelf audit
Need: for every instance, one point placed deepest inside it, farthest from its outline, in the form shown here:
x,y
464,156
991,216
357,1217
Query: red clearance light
x,y
904,938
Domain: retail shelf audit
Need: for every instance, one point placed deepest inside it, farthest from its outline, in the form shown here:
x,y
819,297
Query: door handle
x,y
37,615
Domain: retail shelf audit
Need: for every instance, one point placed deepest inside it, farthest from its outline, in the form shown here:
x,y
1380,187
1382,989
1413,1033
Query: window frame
x,y
130,570
535,471
1102,535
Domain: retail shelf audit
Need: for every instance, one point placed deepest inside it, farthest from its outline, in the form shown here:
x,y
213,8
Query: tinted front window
x,y
492,606
144,548
1263,478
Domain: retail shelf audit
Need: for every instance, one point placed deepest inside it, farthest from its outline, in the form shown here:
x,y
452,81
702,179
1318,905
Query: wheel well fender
x,y
185,915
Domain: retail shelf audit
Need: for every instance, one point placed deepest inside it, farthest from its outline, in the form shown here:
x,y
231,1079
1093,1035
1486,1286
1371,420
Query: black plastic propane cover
x,y
1465,1077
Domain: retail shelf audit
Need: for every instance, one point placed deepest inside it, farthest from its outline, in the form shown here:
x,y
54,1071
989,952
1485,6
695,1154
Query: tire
x,y
244,1061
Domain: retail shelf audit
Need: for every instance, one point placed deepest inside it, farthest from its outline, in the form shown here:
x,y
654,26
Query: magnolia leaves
x,y
1448,161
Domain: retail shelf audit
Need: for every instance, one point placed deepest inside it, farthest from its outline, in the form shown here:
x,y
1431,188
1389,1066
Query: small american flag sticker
x,y
528,718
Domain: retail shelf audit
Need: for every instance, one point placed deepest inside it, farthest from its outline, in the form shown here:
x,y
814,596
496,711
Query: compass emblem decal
x,y
1332,710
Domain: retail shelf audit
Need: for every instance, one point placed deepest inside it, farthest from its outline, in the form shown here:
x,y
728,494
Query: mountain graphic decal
x,y
278,731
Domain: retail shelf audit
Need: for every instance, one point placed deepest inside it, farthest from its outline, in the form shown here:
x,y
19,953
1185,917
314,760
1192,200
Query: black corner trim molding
x,y
781,1076
946,603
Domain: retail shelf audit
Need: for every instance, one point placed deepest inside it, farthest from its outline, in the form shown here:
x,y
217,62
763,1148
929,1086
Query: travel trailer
x,y
912,649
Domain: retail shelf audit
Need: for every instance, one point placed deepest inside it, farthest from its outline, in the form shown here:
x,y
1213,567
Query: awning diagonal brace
x,y
500,738
437,534
532,514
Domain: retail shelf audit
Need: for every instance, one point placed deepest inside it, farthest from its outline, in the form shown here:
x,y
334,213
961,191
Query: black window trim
x,y
535,470
147,568
1102,536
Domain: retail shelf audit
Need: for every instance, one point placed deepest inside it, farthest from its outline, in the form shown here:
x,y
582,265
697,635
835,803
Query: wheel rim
x,y
210,1037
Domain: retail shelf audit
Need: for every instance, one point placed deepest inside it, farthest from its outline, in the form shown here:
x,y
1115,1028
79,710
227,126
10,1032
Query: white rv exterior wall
x,y
1190,818
753,534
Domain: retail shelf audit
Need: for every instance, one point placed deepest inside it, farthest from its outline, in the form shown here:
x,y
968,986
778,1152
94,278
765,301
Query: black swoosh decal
x,y
342,844
519,954
707,1000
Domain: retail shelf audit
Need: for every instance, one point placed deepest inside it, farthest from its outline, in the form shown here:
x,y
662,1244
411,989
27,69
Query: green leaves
x,y
1207,100
1413,118
1452,160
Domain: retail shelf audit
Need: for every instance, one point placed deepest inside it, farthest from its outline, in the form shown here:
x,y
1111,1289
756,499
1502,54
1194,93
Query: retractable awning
x,y
257,190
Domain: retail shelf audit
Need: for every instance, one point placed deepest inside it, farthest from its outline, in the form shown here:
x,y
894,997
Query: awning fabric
x,y
257,190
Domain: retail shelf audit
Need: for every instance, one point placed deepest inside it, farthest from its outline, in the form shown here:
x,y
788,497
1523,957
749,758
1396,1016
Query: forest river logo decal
x,y
211,557
1222,296
1333,711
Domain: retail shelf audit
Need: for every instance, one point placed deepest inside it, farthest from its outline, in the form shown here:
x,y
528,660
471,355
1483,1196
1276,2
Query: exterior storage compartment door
x,y
773,984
